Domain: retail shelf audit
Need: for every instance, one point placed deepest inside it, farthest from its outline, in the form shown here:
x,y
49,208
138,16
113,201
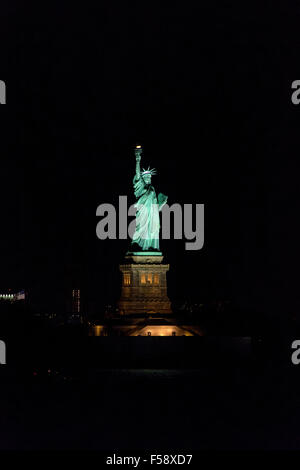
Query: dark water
x,y
208,408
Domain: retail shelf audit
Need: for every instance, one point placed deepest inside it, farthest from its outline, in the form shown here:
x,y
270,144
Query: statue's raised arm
x,y
138,151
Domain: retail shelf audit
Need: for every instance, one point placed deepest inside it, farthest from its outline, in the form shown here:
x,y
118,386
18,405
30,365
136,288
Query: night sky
x,y
206,89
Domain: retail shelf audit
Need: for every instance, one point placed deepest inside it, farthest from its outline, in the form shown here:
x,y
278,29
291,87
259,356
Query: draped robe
x,y
148,206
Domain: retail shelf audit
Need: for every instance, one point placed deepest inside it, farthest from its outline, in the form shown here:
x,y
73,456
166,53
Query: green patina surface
x,y
148,205
145,253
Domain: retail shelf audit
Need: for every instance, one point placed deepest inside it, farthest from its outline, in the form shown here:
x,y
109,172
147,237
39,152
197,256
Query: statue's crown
x,y
149,172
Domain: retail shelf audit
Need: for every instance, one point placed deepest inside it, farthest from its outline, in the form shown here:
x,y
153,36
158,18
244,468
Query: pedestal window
x,y
126,279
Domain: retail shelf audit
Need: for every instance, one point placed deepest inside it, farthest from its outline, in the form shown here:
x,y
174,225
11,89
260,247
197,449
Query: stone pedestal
x,y
144,285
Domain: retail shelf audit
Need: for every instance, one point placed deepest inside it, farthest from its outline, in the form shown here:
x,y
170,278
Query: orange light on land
x,y
163,330
138,146
97,330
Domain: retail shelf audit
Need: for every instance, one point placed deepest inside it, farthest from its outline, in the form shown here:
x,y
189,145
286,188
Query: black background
x,y
206,89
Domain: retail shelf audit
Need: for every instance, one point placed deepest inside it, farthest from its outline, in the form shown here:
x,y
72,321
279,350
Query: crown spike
x,y
149,171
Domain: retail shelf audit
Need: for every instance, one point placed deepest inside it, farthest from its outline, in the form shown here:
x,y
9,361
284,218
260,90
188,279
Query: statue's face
x,y
147,179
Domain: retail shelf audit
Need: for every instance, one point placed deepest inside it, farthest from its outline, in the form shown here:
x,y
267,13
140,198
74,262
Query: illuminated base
x,y
147,327
144,285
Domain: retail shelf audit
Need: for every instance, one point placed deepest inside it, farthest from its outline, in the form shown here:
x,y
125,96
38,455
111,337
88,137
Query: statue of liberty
x,y
148,205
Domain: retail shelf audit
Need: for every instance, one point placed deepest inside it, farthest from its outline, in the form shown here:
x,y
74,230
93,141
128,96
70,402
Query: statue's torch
x,y
138,151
